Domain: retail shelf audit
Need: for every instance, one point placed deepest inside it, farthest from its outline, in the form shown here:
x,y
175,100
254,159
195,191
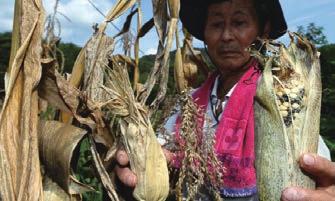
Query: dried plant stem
x,y
137,46
164,66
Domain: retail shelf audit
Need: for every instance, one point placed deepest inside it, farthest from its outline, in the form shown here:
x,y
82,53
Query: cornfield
x,y
103,101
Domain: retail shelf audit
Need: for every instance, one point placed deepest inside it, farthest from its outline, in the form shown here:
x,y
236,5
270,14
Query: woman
x,y
228,28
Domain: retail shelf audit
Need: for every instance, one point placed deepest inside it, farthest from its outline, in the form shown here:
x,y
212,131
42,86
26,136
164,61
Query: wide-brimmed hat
x,y
193,15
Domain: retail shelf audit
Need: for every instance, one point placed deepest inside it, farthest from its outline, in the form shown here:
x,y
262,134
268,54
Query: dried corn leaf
x,y
126,25
160,13
104,176
161,68
120,7
61,94
146,28
19,165
49,91
164,65
96,53
52,192
57,143
71,97
124,60
287,112
75,80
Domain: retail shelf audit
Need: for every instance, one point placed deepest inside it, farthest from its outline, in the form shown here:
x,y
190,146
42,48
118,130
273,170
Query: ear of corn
x,y
287,112
179,72
146,156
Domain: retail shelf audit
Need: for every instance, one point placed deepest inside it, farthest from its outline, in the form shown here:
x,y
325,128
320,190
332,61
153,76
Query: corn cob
x,y
287,115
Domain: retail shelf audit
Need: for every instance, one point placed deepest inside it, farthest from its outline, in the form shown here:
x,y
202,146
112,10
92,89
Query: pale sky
x,y
83,16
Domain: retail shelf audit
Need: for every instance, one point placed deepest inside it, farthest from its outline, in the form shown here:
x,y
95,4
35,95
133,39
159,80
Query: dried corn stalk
x,y
166,35
20,174
137,46
287,112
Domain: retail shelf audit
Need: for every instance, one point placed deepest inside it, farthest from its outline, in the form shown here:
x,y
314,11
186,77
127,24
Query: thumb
x,y
301,194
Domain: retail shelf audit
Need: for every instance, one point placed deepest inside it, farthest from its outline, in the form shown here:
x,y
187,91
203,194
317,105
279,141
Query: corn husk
x,y
291,78
146,156
20,173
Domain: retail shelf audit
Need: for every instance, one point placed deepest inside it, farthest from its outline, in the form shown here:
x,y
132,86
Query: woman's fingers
x,y
126,176
323,172
124,173
321,169
122,157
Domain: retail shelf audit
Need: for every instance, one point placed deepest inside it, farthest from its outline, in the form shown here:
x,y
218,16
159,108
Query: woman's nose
x,y
227,34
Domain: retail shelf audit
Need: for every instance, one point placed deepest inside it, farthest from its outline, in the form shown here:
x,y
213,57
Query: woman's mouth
x,y
230,53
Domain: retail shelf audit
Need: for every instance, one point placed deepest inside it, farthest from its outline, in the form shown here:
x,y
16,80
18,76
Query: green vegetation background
x,y
85,170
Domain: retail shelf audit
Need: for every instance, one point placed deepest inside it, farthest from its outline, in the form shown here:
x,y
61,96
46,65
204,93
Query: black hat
x,y
193,16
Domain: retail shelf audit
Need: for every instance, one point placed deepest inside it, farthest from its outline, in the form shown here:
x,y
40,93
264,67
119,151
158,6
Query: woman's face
x,y
231,27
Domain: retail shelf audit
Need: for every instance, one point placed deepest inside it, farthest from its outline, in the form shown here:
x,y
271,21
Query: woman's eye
x,y
217,24
239,23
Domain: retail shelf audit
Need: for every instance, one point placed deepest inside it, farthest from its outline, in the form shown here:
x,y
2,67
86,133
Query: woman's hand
x,y
123,171
323,172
